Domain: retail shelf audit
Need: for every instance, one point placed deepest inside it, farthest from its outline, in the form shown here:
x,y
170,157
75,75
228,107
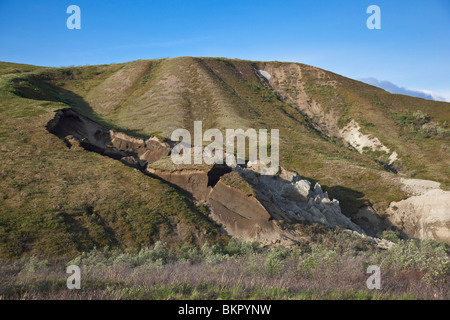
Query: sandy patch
x,y
417,187
286,80
360,141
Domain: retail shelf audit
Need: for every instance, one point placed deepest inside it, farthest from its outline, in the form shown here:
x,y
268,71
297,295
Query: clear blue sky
x,y
412,49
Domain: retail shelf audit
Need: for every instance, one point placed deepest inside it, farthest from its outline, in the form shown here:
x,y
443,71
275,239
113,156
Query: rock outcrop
x,y
352,135
295,198
149,150
194,182
248,205
242,215
251,206
424,215
73,127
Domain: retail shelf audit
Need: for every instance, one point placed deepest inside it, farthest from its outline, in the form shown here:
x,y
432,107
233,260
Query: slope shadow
x,y
49,92
351,202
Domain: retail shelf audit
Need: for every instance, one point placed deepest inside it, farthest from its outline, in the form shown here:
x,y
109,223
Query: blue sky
x,y
412,49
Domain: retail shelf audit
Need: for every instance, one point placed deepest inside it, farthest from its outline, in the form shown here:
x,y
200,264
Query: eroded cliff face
x,y
248,205
75,129
195,182
148,150
425,214
251,206
296,200
287,81
243,216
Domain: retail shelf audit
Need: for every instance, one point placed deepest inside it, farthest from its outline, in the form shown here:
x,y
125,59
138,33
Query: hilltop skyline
x,y
410,50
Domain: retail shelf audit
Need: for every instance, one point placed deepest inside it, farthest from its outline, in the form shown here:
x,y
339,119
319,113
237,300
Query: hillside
x,y
358,141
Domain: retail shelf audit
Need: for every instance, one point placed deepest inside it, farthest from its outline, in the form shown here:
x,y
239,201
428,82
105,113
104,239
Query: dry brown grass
x,y
233,279
240,271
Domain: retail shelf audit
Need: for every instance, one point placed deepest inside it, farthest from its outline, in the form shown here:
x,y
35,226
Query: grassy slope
x,y
390,118
156,96
16,68
55,201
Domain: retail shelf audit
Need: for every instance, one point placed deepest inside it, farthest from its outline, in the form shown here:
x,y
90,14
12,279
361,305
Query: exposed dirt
x,y
417,187
195,182
351,133
73,127
286,80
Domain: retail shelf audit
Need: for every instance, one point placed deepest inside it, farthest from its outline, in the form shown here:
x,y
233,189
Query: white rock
x,y
265,74
318,189
425,216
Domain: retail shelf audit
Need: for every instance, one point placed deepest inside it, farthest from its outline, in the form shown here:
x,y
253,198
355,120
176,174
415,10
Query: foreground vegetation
x,y
334,268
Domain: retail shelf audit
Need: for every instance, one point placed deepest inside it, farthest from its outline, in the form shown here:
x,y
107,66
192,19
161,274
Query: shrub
x,y
429,256
212,254
236,247
188,253
308,265
442,132
421,117
391,235
33,265
158,254
411,269
273,266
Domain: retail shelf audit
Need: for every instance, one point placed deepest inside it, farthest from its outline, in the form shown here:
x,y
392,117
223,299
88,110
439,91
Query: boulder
x,y
424,216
